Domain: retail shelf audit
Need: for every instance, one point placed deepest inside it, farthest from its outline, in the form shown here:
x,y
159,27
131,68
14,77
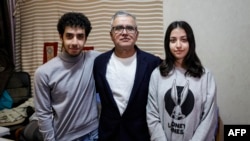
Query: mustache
x,y
74,47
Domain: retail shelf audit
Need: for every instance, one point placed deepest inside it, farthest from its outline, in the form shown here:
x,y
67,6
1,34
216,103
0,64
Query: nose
x,y
124,31
74,40
178,44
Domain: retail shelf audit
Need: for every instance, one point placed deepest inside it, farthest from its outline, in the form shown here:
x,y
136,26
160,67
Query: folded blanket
x,y
15,115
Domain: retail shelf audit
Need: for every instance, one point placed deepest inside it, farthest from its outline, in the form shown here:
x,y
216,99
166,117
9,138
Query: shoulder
x,y
156,72
52,64
208,75
41,69
148,56
104,55
90,56
156,76
207,71
92,53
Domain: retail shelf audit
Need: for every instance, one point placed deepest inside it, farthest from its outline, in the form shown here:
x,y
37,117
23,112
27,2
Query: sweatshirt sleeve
x,y
153,116
42,103
206,129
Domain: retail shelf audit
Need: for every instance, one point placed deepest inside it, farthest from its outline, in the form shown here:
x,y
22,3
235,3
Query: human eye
x,y
118,28
130,28
69,35
80,36
184,39
172,40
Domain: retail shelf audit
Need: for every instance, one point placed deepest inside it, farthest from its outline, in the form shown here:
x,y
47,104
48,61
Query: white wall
x,y
222,31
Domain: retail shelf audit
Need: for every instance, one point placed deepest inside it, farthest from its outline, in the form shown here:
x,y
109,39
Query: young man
x,y
122,77
65,96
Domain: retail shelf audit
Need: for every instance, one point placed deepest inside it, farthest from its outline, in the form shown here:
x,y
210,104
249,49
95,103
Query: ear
x,y
61,37
137,35
111,36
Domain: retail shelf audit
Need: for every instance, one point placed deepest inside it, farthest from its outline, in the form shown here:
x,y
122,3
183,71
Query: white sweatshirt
x,y
182,108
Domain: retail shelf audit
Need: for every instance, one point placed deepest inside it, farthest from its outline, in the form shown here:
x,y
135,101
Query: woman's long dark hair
x,y
191,62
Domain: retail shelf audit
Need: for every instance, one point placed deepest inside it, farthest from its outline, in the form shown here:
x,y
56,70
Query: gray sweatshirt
x,y
65,97
182,108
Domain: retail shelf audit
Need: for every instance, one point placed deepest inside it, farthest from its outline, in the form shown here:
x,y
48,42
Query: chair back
x,y
19,87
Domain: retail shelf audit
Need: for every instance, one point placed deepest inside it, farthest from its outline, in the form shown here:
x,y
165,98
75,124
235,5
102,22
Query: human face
x,y
124,40
179,45
73,40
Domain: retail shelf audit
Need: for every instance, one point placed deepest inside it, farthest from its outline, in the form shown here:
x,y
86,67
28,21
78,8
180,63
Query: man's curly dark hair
x,y
74,19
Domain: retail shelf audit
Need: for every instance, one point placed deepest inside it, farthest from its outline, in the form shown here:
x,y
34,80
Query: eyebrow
x,y
185,36
69,33
124,25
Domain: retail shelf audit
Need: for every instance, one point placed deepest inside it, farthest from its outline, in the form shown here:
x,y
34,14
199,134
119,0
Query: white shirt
x,y
120,76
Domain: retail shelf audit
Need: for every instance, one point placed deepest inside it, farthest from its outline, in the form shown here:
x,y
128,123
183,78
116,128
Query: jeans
x,y
92,136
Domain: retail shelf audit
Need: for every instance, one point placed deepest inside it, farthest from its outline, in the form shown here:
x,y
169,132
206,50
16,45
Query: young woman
x,y
182,93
